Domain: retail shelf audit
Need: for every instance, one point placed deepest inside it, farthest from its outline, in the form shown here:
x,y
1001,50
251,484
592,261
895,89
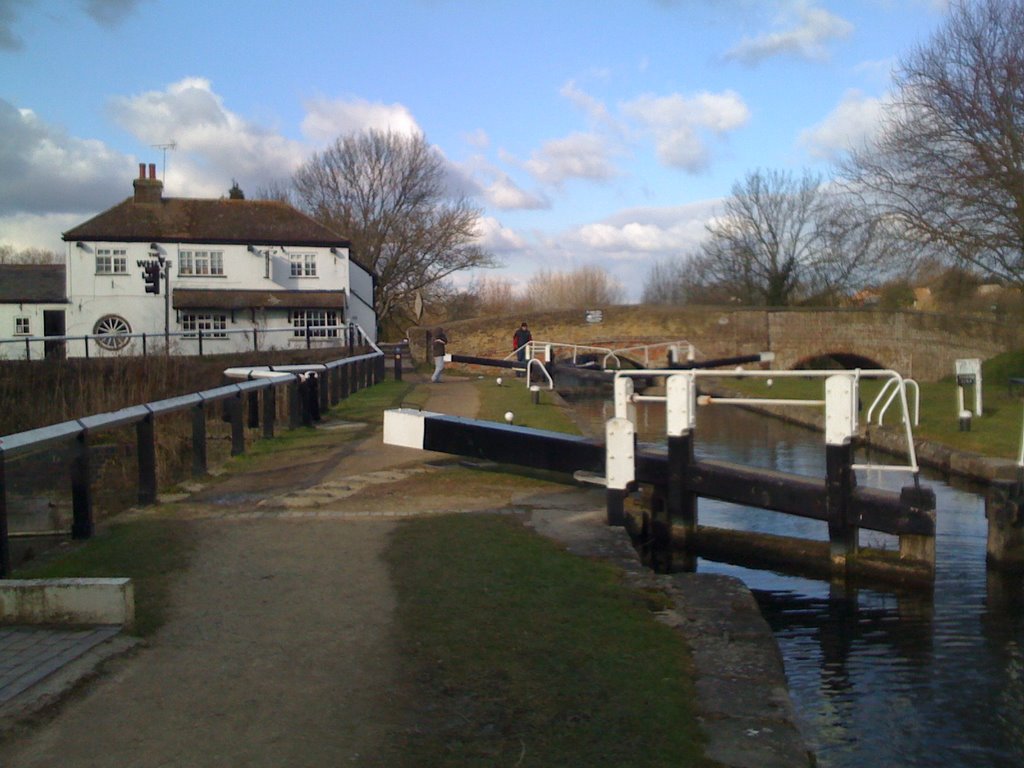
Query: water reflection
x,y
878,678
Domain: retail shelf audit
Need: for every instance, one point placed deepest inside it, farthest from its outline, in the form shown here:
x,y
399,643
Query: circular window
x,y
111,332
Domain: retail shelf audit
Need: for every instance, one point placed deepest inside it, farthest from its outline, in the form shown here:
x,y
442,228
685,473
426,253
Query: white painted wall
x,y
13,347
94,296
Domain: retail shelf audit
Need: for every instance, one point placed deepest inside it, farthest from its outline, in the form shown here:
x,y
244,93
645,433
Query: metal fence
x,y
309,390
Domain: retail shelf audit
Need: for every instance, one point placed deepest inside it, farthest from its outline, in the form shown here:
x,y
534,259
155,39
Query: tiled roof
x,y
185,220
212,298
32,284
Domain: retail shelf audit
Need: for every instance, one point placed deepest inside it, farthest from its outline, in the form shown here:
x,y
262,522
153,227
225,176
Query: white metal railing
x,y
667,347
548,348
891,384
840,402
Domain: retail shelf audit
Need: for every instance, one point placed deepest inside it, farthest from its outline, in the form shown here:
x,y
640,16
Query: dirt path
x,y
278,650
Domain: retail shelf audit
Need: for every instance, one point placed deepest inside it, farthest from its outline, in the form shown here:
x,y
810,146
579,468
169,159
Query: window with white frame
x,y
111,261
319,322
200,263
303,264
22,326
212,326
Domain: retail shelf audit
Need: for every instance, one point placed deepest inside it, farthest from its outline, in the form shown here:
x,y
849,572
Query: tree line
x,y
941,182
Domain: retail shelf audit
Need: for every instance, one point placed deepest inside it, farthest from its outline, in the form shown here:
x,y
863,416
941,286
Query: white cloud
x,y
578,156
505,194
478,139
495,237
641,232
27,230
594,108
849,125
44,170
214,145
678,124
327,119
807,32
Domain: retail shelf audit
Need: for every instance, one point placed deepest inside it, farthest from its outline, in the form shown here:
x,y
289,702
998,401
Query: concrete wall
x,y
67,601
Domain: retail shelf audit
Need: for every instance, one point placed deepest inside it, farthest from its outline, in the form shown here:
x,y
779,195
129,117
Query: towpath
x,y
279,650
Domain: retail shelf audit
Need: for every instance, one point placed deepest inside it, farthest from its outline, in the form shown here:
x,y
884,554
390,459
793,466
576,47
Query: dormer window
x,y
111,261
303,264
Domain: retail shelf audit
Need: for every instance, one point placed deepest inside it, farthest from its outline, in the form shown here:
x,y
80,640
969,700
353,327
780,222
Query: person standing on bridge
x,y
520,339
438,348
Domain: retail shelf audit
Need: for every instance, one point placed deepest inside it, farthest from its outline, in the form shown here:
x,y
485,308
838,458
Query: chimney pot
x,y
142,170
152,170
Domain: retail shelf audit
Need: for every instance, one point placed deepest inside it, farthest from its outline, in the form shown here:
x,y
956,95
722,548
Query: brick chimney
x,y
148,190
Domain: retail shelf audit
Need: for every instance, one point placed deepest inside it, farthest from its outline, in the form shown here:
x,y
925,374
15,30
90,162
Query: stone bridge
x,y
918,345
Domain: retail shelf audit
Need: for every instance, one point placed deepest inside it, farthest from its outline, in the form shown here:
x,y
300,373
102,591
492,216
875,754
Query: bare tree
x,y
577,289
948,164
677,280
784,240
765,237
10,255
386,192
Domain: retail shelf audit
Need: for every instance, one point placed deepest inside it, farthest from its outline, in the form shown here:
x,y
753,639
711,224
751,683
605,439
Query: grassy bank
x,y
524,655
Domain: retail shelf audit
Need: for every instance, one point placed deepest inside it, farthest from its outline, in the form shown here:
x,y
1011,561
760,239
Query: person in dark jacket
x,y
438,349
520,339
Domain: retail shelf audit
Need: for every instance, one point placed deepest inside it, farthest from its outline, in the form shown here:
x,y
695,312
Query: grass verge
x,y
512,395
149,552
525,655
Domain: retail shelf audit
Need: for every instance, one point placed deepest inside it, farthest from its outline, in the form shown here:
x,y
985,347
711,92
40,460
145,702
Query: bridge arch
x,y
837,360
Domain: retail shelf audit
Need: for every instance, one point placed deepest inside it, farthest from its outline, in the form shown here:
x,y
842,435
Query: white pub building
x,y
242,274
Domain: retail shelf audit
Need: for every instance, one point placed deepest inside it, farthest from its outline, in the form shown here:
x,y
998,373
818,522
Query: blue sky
x,y
589,132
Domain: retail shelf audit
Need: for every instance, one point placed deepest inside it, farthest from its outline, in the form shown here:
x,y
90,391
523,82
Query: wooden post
x,y
145,446
398,365
839,482
5,551
269,410
353,381
310,400
1004,509
82,526
335,379
918,501
660,534
199,440
234,404
680,501
323,391
615,505
344,379
252,400
294,405
840,429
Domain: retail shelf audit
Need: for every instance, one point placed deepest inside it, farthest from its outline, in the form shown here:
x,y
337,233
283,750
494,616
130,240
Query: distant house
x,y
33,302
243,274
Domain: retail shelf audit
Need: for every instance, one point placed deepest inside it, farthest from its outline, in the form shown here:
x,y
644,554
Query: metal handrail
x,y
857,374
885,389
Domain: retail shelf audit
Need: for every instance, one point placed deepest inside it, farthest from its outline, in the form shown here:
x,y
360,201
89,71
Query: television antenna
x,y
170,145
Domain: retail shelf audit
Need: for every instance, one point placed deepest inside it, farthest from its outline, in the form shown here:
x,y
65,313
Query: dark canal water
x,y
877,678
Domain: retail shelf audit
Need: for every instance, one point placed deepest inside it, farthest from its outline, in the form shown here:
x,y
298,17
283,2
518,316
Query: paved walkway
x,y
30,655
230,681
